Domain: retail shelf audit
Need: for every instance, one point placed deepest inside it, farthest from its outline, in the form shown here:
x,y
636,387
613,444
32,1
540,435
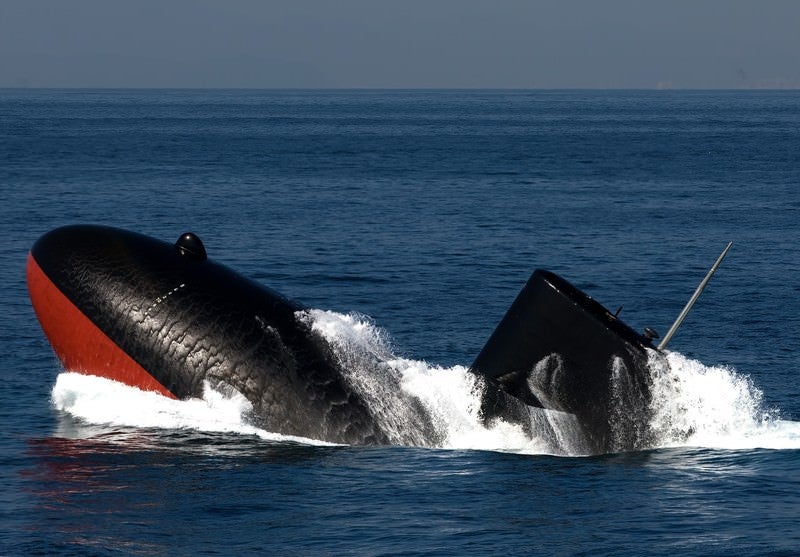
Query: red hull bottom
x,y
78,343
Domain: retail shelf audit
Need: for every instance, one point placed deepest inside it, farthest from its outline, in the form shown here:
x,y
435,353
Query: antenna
x,y
693,299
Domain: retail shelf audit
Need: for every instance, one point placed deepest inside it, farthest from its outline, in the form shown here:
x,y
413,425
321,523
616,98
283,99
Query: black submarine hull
x,y
164,317
184,320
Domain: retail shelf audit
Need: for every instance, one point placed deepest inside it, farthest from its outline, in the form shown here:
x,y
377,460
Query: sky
x,y
552,44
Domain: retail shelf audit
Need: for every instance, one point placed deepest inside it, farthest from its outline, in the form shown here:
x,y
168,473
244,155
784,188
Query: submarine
x,y
165,317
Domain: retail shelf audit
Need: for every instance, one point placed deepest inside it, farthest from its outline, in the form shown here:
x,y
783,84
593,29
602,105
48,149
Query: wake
x,y
693,405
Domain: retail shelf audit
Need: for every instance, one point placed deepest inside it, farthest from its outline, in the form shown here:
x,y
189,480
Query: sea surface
x,y
410,220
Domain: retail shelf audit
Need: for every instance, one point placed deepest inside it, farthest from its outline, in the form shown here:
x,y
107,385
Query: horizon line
x,y
287,88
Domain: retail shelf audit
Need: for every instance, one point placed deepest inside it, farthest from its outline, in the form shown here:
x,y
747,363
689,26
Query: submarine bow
x,y
163,317
166,318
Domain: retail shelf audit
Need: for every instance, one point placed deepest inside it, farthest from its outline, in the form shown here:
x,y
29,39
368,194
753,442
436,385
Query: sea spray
x,y
707,406
693,404
452,397
97,400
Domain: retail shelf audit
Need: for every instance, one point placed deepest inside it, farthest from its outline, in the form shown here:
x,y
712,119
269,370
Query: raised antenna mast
x,y
693,299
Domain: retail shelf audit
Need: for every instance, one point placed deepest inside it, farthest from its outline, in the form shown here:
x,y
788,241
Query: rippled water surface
x,y
413,219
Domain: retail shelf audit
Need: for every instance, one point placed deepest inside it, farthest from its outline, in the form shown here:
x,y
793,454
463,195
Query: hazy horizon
x,y
362,44
367,89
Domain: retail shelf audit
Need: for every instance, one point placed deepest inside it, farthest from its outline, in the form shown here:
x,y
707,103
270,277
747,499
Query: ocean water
x,y
410,220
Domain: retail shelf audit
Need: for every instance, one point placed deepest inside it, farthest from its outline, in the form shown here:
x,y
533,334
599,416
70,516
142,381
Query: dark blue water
x,y
425,211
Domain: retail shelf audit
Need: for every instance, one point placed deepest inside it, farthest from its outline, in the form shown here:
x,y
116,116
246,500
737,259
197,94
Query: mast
x,y
693,299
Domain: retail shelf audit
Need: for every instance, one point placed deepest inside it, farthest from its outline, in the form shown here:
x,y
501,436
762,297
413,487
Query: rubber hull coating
x,y
559,349
165,318
132,308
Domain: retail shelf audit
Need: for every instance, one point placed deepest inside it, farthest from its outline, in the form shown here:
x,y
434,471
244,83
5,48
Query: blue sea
x,y
410,220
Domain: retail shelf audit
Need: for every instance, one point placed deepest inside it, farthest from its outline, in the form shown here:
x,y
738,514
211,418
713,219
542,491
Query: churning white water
x,y
693,404
716,407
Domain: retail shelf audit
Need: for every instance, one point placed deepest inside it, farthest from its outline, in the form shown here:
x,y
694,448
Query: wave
x,y
97,400
694,405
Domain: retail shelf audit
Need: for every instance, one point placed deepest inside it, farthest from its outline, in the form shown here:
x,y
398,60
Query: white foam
x,y
694,405
715,407
452,398
98,400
